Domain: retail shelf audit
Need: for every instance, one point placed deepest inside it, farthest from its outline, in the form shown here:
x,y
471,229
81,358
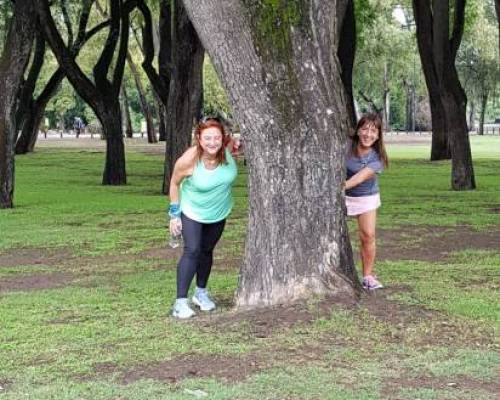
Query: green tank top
x,y
206,195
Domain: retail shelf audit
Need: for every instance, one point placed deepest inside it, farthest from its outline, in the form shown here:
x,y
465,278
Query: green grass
x,y
114,308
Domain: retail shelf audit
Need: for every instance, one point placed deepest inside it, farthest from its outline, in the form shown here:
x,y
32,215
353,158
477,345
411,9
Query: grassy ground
x,y
86,283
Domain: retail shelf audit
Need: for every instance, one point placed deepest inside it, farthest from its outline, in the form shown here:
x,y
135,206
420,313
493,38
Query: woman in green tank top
x,y
200,201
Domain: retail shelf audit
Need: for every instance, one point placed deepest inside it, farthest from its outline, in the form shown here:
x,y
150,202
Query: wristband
x,y
174,210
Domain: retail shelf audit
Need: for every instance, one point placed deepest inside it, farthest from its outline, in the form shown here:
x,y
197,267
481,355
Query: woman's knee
x,y
192,251
367,237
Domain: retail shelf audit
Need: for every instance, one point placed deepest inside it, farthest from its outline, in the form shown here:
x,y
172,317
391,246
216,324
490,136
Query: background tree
x,y
13,62
478,61
438,50
31,108
278,63
102,94
180,62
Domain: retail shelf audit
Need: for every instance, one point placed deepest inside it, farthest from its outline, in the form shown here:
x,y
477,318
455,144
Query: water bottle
x,y
175,240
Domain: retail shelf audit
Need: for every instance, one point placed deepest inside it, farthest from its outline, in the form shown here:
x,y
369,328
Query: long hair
x,y
378,146
211,123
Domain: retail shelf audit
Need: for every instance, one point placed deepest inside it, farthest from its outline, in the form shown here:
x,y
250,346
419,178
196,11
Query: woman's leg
x,y
366,224
192,235
210,236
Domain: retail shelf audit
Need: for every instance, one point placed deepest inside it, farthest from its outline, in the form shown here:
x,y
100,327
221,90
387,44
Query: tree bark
x,y
281,72
126,114
114,169
15,57
440,148
185,89
102,94
438,51
162,125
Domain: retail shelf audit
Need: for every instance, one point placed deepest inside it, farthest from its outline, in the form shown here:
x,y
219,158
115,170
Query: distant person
x,y
203,177
78,126
366,158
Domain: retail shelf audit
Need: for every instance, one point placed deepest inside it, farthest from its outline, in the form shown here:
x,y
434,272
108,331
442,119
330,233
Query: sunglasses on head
x,y
207,118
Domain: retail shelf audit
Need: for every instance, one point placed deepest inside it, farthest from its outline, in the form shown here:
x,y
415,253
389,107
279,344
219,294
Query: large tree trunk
x,y
291,109
185,90
438,51
484,102
15,56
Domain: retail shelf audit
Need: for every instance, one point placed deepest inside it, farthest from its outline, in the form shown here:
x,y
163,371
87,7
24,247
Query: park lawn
x,y
86,283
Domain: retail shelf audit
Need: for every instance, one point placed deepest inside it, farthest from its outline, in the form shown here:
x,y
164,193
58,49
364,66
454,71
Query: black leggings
x,y
199,242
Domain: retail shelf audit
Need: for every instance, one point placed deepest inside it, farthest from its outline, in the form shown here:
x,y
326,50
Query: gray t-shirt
x,y
354,164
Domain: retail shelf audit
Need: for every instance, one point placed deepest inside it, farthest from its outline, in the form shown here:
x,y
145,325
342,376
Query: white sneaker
x,y
182,309
202,300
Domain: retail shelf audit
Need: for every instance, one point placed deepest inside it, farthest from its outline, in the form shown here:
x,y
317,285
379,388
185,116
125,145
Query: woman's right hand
x,y
175,226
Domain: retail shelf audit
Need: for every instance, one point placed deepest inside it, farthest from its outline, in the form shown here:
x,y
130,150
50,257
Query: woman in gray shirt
x,y
366,158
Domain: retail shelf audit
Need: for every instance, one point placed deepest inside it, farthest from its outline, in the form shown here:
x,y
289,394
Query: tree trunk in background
x,y
145,108
438,52
386,99
440,149
346,53
472,112
129,132
185,90
13,62
162,126
114,169
497,9
291,109
484,102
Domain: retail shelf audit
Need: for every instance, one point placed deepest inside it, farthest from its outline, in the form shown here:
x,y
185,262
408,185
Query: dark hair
x,y
378,146
211,122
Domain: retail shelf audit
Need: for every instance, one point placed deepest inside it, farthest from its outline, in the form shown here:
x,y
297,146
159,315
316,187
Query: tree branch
x,y
67,21
58,75
102,67
458,27
82,25
159,83
64,56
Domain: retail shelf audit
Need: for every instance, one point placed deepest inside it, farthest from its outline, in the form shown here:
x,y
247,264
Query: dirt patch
x,y
228,368
163,253
35,282
432,243
264,322
391,387
34,256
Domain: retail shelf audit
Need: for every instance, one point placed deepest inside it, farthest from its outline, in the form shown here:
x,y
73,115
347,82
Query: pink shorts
x,y
363,204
